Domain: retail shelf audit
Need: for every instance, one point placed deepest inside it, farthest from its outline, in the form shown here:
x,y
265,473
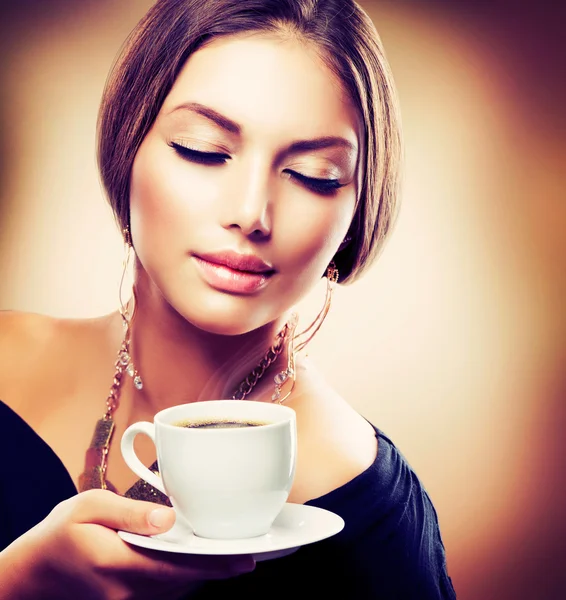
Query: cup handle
x,y
127,447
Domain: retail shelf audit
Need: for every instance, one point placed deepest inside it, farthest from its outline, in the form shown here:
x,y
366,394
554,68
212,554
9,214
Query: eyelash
x,y
202,158
319,186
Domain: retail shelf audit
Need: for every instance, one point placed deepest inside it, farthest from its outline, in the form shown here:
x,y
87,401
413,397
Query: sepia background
x,y
455,343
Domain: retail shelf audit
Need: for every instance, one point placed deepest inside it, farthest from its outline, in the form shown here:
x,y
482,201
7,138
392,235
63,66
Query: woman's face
x,y
245,186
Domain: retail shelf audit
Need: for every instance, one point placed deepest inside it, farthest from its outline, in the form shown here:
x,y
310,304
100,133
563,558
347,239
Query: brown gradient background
x,y
455,343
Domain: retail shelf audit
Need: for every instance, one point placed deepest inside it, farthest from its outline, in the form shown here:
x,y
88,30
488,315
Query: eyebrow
x,y
211,115
234,128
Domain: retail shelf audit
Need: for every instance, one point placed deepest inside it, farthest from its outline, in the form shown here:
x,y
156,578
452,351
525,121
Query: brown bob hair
x,y
346,40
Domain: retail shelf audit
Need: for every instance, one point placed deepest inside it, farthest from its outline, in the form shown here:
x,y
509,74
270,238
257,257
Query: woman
x,y
248,148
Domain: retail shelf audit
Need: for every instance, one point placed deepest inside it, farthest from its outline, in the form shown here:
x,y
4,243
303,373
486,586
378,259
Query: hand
x,y
75,552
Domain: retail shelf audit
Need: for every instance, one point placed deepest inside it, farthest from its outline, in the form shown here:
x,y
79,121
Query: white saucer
x,y
295,526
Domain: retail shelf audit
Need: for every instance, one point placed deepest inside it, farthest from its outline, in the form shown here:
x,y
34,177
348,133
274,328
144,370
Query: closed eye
x,y
317,185
202,158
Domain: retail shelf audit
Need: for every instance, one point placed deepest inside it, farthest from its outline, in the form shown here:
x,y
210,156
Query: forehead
x,y
270,86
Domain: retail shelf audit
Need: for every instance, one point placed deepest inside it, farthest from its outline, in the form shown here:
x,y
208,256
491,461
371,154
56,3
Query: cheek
x,y
168,199
314,231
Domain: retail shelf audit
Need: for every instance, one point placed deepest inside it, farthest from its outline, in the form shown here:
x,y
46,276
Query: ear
x,y
127,236
344,243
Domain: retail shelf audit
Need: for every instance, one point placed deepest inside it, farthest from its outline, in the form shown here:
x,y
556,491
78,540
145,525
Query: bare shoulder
x,y
336,443
39,354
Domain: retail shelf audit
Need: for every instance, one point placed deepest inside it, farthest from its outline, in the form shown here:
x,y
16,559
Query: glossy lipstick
x,y
232,272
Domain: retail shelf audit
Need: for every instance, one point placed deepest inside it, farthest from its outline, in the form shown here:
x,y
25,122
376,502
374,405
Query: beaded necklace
x,y
96,460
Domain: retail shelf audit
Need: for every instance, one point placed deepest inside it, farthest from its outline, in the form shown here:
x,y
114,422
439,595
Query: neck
x,y
180,363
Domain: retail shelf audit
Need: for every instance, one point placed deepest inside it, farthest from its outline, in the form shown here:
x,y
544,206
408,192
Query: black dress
x,y
389,549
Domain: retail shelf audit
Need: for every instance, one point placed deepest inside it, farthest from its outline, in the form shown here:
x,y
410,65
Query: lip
x,y
248,263
232,272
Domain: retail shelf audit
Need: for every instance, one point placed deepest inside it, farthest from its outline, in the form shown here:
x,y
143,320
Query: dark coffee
x,y
218,424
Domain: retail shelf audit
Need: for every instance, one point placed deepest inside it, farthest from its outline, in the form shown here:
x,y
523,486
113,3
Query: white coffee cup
x,y
225,483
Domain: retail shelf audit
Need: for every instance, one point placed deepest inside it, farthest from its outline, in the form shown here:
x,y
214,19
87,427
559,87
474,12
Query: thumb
x,y
106,508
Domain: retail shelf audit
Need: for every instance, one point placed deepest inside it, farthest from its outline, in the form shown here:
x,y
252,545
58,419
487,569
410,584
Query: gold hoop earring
x,y
287,377
332,276
128,250
124,356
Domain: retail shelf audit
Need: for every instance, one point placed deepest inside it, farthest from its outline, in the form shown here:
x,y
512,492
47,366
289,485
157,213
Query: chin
x,y
223,327
225,316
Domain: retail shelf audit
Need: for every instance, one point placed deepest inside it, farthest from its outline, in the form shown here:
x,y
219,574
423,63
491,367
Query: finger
x,y
174,568
106,508
233,564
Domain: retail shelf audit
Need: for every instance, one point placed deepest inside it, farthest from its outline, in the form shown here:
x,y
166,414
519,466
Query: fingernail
x,y
245,566
159,517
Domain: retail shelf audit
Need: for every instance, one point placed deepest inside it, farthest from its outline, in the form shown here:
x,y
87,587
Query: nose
x,y
247,205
